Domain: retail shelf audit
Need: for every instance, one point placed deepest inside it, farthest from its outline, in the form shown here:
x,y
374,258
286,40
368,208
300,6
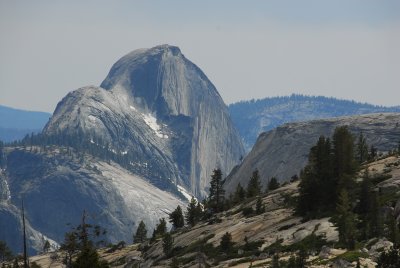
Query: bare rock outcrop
x,y
283,151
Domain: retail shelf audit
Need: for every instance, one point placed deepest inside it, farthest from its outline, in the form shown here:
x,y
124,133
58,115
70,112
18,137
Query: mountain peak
x,y
165,48
160,108
141,53
161,80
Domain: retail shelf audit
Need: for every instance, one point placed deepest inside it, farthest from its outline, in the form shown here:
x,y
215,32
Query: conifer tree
x,y
394,233
193,212
362,149
344,162
161,228
273,184
141,233
260,207
254,185
373,153
398,148
87,254
389,259
366,188
15,263
46,246
226,243
176,218
199,211
345,220
318,185
375,217
168,244
275,261
308,203
365,205
70,246
217,192
240,194
5,252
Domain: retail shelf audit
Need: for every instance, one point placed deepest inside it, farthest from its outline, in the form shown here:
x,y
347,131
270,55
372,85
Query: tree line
x,y
328,188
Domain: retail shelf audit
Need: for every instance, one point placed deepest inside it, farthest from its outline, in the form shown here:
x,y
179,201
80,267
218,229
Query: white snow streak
x,y
185,193
8,191
151,121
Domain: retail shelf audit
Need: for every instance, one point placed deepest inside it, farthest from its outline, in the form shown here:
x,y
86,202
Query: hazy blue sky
x,y
248,49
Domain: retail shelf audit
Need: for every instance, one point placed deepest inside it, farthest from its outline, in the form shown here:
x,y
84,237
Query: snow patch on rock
x,y
185,193
151,121
7,190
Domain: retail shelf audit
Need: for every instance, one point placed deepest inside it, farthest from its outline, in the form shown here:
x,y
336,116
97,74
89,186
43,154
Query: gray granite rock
x,y
283,151
57,188
157,105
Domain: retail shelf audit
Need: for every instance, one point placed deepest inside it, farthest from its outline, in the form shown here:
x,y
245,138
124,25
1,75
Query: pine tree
x,y
394,233
398,148
292,262
141,233
254,185
15,263
389,259
168,244
199,212
226,243
46,246
275,261
344,162
362,149
240,194
308,203
87,255
193,212
301,259
217,192
176,218
365,206
161,228
5,252
318,185
375,217
273,184
346,221
373,153
70,246
260,208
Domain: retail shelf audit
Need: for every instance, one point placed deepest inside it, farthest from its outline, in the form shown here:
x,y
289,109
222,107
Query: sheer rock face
x,y
283,151
157,105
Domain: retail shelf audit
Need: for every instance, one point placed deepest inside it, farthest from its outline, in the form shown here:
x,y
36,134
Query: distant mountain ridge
x,y
256,116
16,123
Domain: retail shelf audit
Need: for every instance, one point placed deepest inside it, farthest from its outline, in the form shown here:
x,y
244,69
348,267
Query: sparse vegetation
x,y
356,213
79,242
